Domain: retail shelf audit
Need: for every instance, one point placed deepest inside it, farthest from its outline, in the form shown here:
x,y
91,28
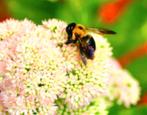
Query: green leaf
x,y
137,110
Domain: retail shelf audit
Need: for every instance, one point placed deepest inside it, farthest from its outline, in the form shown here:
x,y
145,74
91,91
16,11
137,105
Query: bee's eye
x,y
70,27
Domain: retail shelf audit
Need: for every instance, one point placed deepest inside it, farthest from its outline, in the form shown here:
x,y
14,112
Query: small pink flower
x,y
30,98
46,101
2,67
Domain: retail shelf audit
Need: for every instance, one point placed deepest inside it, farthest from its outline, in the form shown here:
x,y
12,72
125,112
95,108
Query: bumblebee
x,y
79,34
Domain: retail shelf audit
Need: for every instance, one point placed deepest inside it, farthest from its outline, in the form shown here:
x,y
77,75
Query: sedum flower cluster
x,y
41,75
123,87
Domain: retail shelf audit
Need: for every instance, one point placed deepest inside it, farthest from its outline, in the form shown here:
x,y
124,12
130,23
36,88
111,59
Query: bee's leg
x,y
69,41
83,57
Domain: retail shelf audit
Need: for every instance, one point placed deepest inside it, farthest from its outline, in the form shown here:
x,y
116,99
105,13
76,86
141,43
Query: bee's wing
x,y
101,31
83,56
84,60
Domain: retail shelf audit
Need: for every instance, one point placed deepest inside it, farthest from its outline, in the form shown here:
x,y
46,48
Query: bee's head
x,y
70,28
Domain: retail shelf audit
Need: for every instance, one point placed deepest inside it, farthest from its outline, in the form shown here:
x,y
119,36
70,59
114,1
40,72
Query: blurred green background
x,y
127,17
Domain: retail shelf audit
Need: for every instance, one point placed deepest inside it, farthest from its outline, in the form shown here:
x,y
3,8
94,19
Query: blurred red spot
x,y
110,12
143,100
136,53
3,11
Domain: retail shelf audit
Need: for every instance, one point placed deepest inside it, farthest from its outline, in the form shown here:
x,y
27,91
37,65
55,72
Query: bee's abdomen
x,y
90,52
88,39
